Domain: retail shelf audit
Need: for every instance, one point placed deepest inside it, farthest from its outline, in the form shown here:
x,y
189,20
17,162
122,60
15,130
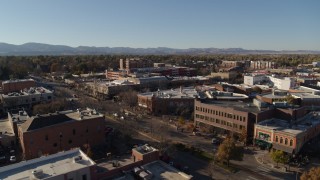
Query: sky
x,y
248,24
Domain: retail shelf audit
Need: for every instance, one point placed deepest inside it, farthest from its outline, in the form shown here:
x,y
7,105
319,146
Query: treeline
x,y
16,67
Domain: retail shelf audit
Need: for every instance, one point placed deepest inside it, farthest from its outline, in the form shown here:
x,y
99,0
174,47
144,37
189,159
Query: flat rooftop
x,y
305,95
16,80
301,125
237,105
145,149
160,170
28,92
52,165
115,163
45,120
186,92
5,128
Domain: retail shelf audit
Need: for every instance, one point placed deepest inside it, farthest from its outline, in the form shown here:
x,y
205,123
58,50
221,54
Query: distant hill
x,y
47,49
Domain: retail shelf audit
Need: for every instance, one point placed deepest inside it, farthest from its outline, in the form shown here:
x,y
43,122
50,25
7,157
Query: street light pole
x,y
60,137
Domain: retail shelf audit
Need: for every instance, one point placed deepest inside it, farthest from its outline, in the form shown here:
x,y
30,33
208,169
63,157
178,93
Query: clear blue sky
x,y
249,24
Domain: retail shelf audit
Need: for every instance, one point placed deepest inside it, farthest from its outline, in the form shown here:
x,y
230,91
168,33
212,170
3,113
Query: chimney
x,y
181,89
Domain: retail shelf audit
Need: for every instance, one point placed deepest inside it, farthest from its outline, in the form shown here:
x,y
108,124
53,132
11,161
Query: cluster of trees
x,y
312,174
229,151
19,66
279,157
56,105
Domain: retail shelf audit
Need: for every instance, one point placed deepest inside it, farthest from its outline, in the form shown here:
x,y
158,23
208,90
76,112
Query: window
x,y
291,142
46,138
281,140
84,177
286,141
74,132
49,97
33,99
70,141
55,144
87,130
277,139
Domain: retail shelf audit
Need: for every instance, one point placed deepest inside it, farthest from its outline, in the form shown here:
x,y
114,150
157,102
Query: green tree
x,y
290,99
243,136
229,151
181,120
312,174
279,157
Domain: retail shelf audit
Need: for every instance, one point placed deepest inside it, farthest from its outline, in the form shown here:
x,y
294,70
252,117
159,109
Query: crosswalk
x,y
262,170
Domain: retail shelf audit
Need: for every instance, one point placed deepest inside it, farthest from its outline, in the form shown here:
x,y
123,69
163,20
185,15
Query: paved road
x,y
249,168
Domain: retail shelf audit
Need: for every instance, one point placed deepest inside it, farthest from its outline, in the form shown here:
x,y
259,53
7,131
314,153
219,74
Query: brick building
x,y
54,132
17,85
285,135
169,101
228,116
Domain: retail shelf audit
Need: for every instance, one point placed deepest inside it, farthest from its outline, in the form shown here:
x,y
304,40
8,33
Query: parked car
x,y
13,159
215,141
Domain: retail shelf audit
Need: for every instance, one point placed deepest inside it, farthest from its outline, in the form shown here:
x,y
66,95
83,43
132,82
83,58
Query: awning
x,y
260,142
283,148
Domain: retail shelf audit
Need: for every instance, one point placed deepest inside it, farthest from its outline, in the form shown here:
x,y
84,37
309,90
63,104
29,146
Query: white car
x,y
13,159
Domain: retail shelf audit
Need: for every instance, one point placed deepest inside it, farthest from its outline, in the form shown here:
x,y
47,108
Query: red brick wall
x,y
35,141
222,110
17,86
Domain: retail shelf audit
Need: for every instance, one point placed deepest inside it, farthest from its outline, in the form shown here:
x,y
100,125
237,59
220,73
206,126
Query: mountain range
x,y
48,49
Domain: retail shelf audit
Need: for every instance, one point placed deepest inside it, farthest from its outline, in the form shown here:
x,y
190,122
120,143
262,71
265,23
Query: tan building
x,y
285,136
54,132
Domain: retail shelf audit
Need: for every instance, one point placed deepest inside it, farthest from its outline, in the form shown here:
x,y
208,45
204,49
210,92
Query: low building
x,y
17,85
71,165
225,75
285,135
7,134
54,132
168,101
26,98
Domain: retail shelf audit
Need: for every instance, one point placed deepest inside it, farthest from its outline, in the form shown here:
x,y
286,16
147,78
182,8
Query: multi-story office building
x,y
262,64
229,116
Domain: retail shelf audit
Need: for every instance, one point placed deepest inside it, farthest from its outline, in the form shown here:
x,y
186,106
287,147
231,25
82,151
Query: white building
x,y
26,98
71,165
279,83
254,79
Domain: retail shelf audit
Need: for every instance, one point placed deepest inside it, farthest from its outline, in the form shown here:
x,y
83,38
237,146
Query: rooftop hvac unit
x,y
77,159
37,173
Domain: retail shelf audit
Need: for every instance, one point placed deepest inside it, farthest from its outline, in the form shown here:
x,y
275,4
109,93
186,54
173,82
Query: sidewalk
x,y
263,157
